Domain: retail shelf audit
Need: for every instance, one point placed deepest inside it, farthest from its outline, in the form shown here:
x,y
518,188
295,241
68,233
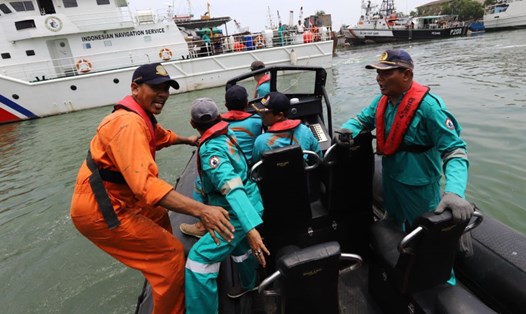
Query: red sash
x,y
286,125
404,115
265,78
217,129
130,104
235,115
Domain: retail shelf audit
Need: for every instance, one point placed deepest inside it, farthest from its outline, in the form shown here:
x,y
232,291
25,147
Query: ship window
x,y
30,53
107,43
87,45
6,55
100,2
25,24
70,3
147,38
4,8
21,6
121,3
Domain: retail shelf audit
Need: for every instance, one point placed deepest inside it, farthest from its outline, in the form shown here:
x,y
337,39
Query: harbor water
x,y
46,266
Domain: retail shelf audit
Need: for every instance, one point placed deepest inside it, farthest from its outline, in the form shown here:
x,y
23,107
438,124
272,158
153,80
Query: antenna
x,y
269,16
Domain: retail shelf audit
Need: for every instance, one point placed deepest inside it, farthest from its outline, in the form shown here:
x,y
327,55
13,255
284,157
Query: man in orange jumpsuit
x,y
120,203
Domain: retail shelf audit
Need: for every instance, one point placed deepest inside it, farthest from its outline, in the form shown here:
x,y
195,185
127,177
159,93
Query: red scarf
x,y
286,125
265,78
217,129
235,115
128,103
405,113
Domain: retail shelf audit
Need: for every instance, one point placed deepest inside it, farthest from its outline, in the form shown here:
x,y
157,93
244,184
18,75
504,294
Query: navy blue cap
x,y
275,102
236,97
393,59
153,74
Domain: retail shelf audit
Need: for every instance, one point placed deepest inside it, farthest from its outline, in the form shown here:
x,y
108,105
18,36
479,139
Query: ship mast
x,y
387,8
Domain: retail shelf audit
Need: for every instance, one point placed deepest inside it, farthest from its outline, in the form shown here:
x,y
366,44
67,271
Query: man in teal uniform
x,y
281,130
262,80
223,172
246,127
417,137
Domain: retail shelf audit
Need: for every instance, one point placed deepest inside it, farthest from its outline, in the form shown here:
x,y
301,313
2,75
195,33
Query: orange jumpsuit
x,y
143,240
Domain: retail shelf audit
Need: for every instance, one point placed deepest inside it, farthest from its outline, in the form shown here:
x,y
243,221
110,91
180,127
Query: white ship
x,y
68,55
505,14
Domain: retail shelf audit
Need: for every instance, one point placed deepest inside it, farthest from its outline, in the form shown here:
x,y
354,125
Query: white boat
x,y
376,24
505,14
386,25
64,56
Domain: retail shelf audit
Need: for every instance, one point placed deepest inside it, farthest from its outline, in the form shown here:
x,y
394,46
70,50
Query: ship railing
x,y
219,44
107,61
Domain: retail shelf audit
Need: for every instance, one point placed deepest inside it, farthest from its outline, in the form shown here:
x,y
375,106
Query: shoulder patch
x,y
214,161
449,124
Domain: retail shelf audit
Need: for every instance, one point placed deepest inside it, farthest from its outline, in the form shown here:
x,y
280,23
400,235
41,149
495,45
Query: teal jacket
x,y
247,127
224,180
433,125
285,133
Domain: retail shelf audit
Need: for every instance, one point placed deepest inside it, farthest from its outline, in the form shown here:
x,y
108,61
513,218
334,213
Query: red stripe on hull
x,y
6,116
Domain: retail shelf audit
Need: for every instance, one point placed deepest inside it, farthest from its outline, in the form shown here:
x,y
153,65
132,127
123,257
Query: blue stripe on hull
x,y
17,107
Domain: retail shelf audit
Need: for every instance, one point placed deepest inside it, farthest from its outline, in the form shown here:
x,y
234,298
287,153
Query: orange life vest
x,y
404,115
235,115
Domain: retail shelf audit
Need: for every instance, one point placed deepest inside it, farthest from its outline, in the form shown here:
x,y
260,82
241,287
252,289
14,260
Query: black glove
x,y
343,138
461,209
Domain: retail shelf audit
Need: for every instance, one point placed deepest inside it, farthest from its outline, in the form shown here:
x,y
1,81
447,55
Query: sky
x,y
255,14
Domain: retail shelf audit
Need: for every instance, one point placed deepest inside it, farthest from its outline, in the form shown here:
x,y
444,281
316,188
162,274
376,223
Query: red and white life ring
x,y
259,42
165,54
83,65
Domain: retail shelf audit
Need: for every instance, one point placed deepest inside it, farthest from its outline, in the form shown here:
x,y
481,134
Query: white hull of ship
x,y
513,17
28,100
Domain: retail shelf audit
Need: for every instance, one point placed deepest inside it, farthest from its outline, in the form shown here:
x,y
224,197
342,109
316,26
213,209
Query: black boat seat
x,y
446,299
424,257
308,279
282,177
348,176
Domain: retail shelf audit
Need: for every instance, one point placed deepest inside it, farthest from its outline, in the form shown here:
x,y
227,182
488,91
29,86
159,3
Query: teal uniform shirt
x,y
411,180
300,135
263,90
224,179
246,131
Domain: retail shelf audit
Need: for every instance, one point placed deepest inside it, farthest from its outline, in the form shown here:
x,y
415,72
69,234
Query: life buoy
x,y
165,54
259,42
83,65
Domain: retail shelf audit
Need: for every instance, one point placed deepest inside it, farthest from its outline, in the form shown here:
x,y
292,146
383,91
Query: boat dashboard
x,y
305,88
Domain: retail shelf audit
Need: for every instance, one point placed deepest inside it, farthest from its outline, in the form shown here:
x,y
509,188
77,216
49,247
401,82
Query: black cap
x,y
393,59
153,74
256,65
236,97
275,102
